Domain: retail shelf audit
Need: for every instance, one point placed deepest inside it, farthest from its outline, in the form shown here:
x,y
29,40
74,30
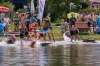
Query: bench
x,y
82,26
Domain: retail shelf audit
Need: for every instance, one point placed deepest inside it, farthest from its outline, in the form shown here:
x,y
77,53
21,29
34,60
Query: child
x,y
62,25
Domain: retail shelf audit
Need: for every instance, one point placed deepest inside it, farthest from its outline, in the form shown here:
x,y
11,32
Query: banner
x,y
41,9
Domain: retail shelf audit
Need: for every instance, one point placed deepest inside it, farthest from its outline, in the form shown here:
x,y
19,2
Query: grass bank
x,y
58,36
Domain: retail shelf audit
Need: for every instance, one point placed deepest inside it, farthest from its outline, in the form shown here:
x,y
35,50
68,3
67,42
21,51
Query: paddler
x,y
74,33
46,29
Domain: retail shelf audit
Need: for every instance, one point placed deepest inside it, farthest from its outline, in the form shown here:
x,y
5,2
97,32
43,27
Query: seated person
x,y
36,35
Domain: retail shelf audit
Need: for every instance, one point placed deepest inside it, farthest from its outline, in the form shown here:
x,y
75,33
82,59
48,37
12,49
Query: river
x,y
51,55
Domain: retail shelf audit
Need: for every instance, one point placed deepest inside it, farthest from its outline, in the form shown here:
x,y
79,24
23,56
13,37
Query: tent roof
x,y
95,0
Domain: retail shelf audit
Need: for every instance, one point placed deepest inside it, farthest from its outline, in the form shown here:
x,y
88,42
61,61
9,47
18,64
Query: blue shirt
x,y
28,20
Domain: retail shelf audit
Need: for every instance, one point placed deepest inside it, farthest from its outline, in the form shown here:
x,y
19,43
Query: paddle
x,y
52,36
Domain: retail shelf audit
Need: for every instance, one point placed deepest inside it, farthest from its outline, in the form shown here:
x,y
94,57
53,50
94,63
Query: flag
x,y
41,9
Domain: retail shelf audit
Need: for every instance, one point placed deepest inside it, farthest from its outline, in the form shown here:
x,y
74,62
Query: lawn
x,y
59,36
55,31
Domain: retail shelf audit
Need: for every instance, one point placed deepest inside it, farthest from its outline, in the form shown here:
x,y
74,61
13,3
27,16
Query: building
x,y
95,3
28,5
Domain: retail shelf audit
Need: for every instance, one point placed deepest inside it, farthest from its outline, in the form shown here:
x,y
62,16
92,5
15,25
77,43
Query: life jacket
x,y
33,25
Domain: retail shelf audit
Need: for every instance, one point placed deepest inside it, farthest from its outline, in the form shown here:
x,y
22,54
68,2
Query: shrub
x,y
20,10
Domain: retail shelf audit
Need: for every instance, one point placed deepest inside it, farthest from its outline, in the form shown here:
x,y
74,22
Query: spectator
x,y
72,20
28,17
16,21
6,22
23,21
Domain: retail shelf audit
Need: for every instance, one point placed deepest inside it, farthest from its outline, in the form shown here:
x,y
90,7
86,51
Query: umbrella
x,y
4,9
69,14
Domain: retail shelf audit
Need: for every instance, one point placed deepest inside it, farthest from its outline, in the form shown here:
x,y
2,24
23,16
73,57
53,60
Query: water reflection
x,y
61,55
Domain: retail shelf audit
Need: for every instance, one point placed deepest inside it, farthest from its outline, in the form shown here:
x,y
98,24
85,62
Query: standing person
x,y
66,20
16,21
99,20
28,17
22,34
23,21
32,19
74,33
87,18
48,17
62,25
80,17
94,19
72,20
46,29
6,22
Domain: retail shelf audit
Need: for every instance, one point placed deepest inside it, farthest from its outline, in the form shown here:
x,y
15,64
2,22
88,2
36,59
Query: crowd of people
x,y
70,23
26,22
27,25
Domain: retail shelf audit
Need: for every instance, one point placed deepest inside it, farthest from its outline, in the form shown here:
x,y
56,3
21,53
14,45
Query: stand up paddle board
x,y
45,43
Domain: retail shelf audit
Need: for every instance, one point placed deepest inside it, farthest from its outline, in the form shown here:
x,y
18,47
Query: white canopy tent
x,y
32,6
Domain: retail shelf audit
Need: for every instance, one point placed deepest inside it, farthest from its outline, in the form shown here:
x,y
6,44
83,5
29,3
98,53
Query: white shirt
x,y
6,20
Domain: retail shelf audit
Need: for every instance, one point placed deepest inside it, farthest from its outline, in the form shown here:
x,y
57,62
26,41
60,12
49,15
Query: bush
x,y
91,9
20,10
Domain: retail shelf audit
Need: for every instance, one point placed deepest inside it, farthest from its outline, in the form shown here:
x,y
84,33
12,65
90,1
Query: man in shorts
x,y
94,19
46,29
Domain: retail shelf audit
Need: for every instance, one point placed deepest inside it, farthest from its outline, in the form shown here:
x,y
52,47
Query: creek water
x,y
51,55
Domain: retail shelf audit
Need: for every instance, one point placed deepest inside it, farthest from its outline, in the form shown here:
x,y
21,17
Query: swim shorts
x,y
46,30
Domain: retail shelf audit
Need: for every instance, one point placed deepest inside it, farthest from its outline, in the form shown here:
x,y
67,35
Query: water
x,y
51,55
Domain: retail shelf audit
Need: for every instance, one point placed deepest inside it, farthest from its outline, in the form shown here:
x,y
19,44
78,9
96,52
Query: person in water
x,y
36,35
12,38
74,33
29,37
22,34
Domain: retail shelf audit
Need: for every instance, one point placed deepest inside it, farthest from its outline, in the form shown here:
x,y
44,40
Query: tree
x,y
7,4
59,7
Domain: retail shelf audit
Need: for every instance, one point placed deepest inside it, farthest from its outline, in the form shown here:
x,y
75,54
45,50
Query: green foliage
x,y
91,9
60,8
7,4
20,10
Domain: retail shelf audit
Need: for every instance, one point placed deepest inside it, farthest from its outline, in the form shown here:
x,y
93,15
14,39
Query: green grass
x,y
58,36
92,36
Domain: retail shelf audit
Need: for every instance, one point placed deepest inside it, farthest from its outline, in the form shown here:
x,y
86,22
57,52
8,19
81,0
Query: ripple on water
x,y
58,54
